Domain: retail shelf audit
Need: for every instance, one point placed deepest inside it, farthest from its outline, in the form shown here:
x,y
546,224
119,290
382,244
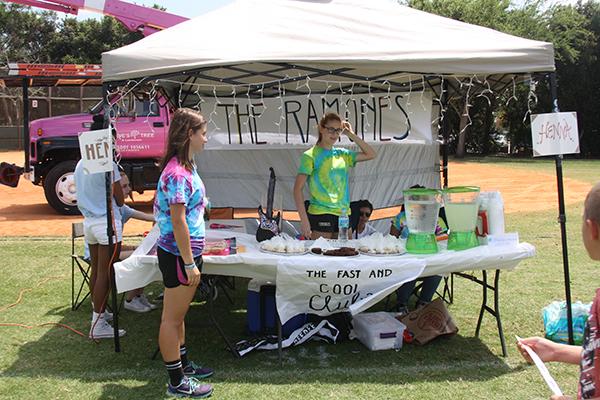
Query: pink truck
x,y
141,124
141,127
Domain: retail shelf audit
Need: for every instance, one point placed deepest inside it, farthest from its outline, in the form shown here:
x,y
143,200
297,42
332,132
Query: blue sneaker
x,y
196,371
189,387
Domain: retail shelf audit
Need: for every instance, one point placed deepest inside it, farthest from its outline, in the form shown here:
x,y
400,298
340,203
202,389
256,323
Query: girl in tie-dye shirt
x,y
179,212
326,169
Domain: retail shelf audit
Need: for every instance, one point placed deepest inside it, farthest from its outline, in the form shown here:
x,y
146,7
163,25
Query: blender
x,y
461,205
422,207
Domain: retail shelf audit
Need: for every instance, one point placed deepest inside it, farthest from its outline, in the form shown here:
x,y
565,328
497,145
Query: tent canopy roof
x,y
252,41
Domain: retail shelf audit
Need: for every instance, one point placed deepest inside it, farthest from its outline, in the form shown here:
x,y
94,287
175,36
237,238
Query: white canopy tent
x,y
255,50
368,37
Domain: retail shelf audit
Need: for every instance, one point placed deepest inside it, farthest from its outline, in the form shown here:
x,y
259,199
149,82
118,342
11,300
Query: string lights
x,y
350,100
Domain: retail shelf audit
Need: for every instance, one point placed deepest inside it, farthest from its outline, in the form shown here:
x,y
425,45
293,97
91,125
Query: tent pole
x,y
445,133
109,227
25,86
562,218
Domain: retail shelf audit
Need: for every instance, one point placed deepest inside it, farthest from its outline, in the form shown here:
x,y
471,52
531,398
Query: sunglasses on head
x,y
365,214
333,130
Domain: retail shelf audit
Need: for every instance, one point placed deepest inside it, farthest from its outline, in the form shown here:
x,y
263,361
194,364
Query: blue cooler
x,y
261,315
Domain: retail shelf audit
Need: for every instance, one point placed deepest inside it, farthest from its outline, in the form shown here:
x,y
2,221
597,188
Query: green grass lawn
x,y
53,363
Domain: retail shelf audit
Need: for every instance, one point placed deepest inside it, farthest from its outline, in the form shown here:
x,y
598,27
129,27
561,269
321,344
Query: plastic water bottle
x,y
343,226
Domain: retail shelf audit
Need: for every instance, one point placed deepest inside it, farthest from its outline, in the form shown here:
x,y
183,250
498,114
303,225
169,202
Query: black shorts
x,y
172,268
323,222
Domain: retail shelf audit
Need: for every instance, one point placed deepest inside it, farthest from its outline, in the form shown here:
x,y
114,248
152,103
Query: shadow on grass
x,y
60,354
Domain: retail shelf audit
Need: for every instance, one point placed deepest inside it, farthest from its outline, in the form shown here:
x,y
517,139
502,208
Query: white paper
x,y
542,368
505,239
554,133
96,151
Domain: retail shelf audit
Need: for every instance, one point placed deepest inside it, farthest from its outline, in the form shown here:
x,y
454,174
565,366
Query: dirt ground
x,y
24,211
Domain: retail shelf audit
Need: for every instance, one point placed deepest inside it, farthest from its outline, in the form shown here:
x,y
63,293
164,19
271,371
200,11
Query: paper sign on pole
x,y
96,151
554,134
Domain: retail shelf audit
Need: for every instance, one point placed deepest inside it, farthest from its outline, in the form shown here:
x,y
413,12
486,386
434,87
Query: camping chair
x,y
83,265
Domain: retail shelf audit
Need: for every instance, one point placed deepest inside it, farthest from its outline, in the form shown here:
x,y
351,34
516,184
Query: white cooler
x,y
378,330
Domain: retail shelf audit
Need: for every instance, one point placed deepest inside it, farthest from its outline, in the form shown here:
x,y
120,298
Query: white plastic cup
x,y
495,213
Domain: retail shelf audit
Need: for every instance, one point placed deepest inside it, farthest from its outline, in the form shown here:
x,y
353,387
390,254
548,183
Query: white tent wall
x,y
239,178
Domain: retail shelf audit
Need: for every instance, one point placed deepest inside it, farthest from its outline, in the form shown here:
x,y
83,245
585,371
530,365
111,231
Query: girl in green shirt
x,y
325,168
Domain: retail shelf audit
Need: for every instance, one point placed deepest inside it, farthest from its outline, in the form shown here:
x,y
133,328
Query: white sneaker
x,y
103,330
144,300
107,315
136,305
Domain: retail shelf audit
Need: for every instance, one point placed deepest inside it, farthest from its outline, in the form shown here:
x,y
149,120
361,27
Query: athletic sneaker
x,y
136,305
146,302
196,371
107,315
189,387
103,330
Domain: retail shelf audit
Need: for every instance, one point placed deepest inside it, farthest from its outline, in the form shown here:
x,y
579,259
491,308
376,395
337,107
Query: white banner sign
x,y
377,117
96,151
327,285
554,133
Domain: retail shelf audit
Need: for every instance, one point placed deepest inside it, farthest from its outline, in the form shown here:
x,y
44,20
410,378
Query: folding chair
x,y
83,265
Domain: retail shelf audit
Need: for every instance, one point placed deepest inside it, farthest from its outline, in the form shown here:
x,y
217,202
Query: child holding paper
x,y
588,355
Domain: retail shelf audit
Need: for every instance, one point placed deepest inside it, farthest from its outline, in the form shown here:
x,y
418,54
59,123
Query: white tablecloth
x,y
140,269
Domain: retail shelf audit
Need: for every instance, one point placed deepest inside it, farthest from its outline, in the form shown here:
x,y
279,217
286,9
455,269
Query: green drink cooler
x,y
461,206
421,207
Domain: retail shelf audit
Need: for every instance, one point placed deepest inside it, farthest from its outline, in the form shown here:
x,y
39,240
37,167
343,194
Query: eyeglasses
x,y
333,130
365,214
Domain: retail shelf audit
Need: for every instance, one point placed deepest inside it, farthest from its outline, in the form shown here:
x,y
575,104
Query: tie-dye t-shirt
x,y
177,185
399,223
327,172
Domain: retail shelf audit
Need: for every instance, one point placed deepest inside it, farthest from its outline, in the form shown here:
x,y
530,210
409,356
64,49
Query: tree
x,y
23,33
570,29
579,75
33,36
85,41
41,37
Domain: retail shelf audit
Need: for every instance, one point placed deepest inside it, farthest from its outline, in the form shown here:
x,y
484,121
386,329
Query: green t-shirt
x,y
327,172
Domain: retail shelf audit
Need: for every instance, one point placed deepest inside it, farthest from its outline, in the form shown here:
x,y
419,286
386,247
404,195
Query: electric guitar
x,y
268,225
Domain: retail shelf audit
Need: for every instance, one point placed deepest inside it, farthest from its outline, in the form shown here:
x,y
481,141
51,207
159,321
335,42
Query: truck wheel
x,y
59,188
